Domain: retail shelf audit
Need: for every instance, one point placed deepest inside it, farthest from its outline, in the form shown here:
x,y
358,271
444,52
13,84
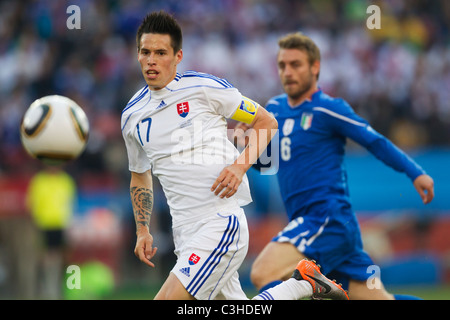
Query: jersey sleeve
x,y
347,123
137,159
232,105
246,111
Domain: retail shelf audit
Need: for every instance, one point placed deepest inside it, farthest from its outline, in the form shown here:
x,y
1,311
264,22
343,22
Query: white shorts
x,y
209,254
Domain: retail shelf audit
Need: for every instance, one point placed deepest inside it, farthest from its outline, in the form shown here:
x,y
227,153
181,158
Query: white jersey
x,y
180,133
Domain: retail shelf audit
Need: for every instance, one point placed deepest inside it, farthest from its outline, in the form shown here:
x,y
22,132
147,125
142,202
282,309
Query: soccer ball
x,y
54,129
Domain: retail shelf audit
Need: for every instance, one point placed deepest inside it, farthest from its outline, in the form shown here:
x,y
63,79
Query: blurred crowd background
x,y
397,77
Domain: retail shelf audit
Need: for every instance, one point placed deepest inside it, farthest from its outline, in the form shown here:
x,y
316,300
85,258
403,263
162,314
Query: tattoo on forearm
x,y
142,201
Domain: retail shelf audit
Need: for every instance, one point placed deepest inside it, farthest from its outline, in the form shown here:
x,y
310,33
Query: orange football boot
x,y
323,288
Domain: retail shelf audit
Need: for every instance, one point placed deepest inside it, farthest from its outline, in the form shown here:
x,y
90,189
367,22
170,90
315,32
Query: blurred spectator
x,y
51,197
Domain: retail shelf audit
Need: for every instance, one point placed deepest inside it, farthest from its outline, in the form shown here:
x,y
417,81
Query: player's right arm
x,y
141,193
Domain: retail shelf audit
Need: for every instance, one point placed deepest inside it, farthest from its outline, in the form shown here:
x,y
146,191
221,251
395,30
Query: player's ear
x,y
137,51
315,68
179,56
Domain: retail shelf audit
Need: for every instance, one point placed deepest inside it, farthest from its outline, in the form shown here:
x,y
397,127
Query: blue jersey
x,y
312,139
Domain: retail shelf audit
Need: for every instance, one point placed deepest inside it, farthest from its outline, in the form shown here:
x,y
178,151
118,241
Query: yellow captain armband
x,y
246,111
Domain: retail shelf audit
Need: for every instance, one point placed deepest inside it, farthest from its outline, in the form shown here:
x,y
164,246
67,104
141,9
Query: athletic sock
x,y
290,289
405,297
270,285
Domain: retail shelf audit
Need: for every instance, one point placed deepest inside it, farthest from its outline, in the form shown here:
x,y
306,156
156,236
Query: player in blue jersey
x,y
313,128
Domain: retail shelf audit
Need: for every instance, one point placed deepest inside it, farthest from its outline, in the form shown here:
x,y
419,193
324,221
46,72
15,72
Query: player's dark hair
x,y
299,41
161,23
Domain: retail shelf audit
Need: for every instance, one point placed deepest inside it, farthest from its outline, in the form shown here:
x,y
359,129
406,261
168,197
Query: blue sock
x,y
270,285
405,297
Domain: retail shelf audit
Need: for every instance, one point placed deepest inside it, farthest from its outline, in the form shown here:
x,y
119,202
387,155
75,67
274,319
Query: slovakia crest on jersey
x,y
183,109
306,120
193,259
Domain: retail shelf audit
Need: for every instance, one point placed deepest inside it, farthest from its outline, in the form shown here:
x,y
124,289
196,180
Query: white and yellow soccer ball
x,y
54,129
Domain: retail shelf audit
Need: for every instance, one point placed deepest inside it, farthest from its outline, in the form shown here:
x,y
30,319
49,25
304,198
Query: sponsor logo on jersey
x,y
183,109
306,120
193,259
161,105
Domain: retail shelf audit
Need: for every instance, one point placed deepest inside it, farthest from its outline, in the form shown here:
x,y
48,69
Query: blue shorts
x,y
329,233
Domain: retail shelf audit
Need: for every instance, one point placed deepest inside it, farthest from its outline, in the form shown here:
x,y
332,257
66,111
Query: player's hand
x,y
144,249
424,185
228,181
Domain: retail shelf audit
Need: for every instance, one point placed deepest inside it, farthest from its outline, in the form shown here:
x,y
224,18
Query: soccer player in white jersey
x,y
175,129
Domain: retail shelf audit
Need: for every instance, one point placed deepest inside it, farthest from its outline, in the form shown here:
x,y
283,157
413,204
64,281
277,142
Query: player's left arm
x,y
397,159
263,128
393,156
349,124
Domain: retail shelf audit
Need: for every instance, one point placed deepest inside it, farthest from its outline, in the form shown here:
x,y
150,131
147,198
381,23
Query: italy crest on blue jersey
x,y
306,120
